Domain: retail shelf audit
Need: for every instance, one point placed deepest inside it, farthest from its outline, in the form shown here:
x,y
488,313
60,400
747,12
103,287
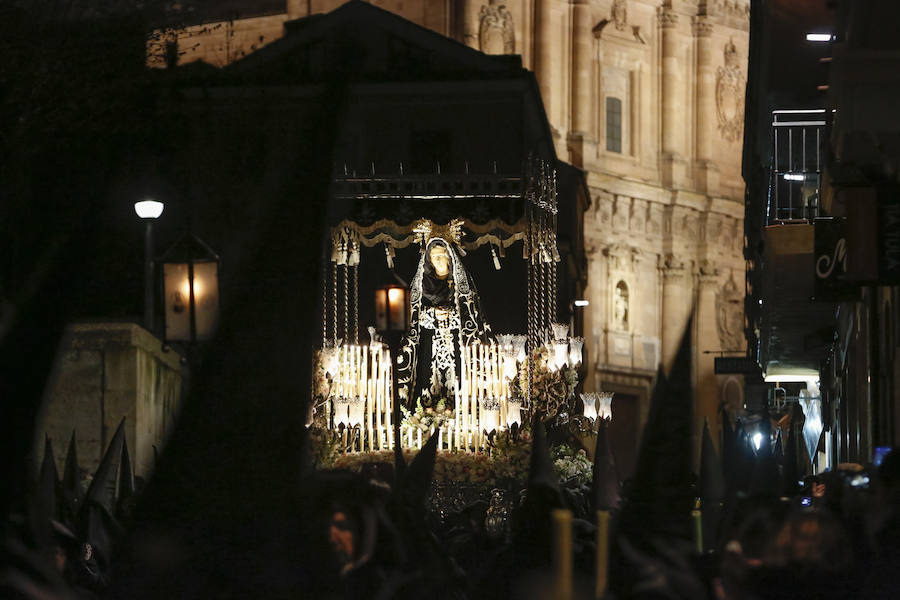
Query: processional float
x,y
453,374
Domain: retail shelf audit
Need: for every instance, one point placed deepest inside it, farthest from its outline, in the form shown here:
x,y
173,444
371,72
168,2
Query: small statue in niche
x,y
495,29
620,306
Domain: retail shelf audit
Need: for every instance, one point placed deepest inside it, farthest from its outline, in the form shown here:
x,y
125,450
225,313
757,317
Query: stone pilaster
x,y
595,316
677,301
580,135
673,109
582,41
546,57
706,171
706,385
468,26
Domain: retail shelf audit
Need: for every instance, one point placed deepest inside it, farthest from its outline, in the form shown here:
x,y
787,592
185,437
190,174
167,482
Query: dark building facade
x,y
820,163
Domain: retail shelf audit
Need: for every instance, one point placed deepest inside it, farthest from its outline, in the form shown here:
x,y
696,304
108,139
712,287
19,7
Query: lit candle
x,y
357,356
481,367
419,439
463,369
602,554
364,370
376,392
497,375
389,397
697,518
457,411
562,554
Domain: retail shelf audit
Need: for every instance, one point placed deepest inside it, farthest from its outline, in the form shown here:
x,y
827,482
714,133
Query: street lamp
x,y
191,290
148,211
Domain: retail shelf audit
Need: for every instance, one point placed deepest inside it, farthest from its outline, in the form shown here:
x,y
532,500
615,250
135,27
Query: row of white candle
x,y
450,437
485,401
362,392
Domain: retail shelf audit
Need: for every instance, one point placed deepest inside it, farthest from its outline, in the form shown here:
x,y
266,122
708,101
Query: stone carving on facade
x,y
707,269
730,95
620,306
604,214
671,265
667,17
637,216
702,26
736,235
620,14
654,220
733,8
689,227
713,230
730,316
620,217
495,30
621,257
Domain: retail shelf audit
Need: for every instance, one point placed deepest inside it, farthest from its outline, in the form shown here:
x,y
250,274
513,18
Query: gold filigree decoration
x,y
426,230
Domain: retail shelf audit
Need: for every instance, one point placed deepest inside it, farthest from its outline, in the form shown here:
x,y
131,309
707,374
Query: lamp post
x,y
148,211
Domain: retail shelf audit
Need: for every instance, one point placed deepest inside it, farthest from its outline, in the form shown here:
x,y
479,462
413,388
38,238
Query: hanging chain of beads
x,y
324,283
531,255
346,290
355,273
334,296
544,304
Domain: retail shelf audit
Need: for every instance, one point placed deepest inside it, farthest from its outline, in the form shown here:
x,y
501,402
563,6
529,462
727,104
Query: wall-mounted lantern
x,y
191,290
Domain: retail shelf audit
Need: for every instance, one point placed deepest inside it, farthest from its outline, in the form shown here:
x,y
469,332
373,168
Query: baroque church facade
x,y
647,98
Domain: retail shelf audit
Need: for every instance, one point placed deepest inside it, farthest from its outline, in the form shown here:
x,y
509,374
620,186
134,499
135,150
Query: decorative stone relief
x,y
730,316
621,257
620,14
667,17
707,269
702,26
654,222
730,95
689,227
638,215
496,34
671,265
620,217
714,230
604,211
736,235
732,8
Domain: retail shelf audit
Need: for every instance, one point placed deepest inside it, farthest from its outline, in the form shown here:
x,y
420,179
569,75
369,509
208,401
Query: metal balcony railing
x,y
798,137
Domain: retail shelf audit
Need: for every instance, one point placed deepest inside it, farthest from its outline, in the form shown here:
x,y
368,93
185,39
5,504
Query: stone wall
x,y
104,372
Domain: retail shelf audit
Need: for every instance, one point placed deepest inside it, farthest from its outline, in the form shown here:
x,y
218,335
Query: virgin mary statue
x,y
445,314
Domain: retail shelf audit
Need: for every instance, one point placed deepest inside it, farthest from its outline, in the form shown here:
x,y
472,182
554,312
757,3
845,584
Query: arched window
x,y
613,124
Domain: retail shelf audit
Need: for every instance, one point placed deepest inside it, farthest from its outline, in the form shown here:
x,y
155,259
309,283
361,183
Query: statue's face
x,y
440,260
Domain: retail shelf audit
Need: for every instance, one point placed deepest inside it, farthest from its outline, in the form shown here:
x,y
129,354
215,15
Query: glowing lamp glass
x,y
148,209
